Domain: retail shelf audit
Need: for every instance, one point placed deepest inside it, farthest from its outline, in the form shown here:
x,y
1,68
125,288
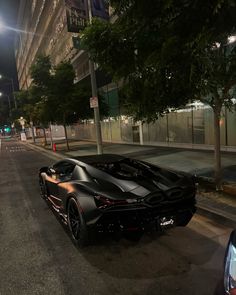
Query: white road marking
x,y
14,149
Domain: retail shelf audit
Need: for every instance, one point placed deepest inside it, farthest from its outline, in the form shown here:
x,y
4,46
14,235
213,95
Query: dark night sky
x,y
8,15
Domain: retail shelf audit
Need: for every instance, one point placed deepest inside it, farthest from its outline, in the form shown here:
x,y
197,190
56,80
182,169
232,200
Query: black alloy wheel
x,y
43,189
76,224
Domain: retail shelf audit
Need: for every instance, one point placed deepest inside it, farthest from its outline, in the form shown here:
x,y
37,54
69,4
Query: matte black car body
x,y
114,193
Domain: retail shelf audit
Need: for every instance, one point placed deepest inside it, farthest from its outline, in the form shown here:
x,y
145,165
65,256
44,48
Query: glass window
x,y
64,170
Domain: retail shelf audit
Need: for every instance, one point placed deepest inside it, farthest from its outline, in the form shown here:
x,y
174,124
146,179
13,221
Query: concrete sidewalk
x,y
215,205
199,162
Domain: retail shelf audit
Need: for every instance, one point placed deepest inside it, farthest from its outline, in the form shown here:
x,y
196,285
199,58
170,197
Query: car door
x,y
61,172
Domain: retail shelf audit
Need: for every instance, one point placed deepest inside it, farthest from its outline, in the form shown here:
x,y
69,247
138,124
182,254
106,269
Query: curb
x,y
220,217
53,155
230,189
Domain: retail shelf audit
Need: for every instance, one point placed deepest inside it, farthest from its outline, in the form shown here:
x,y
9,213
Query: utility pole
x,y
95,94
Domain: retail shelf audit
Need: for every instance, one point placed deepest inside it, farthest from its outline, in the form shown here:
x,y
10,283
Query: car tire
x,y
43,188
76,224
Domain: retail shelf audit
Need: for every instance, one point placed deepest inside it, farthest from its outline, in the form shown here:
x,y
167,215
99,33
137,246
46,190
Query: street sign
x,y
23,136
93,102
76,14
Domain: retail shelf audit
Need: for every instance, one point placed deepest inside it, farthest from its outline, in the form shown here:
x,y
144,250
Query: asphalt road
x,y
38,257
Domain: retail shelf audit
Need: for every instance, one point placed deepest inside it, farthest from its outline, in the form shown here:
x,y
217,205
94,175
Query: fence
x,y
183,127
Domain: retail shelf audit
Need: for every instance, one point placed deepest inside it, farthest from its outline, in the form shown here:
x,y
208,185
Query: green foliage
x,y
215,70
27,102
158,48
41,72
53,96
81,102
63,87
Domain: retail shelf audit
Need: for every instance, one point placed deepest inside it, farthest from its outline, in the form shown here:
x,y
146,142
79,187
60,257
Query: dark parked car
x,y
111,193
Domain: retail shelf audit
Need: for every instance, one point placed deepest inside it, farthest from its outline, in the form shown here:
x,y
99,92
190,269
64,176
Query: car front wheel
x,y
77,225
43,189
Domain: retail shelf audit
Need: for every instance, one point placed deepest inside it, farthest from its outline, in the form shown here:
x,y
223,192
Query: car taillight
x,y
103,202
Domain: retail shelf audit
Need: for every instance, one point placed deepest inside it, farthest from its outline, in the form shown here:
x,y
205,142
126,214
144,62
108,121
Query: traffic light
x,y
7,129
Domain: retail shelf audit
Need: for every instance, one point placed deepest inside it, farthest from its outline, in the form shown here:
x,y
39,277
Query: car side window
x,y
64,170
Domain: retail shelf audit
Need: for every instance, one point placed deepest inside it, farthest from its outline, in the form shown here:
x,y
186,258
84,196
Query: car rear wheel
x,y
77,225
43,189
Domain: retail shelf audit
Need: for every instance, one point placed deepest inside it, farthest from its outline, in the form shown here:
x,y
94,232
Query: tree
x,y
63,79
42,90
22,98
80,98
72,100
215,71
40,73
27,107
166,53
59,100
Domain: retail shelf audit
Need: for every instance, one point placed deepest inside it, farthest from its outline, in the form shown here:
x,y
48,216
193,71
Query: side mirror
x,y
230,266
51,171
43,169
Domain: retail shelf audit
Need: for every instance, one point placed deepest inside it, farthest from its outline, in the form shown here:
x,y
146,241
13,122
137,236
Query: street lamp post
x,y
95,94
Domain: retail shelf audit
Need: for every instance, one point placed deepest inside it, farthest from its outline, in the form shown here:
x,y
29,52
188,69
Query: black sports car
x,y
110,193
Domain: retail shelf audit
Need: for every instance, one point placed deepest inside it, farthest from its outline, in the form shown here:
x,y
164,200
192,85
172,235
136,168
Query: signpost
x,y
95,95
79,13
93,102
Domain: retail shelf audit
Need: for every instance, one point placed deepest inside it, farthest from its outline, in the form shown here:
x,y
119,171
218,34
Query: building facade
x,y
42,28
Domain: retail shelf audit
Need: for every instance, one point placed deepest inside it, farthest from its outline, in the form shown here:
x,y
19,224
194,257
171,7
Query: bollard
x,y
43,142
54,147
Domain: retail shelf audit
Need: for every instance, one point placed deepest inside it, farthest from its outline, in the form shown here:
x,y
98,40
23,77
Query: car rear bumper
x,y
144,218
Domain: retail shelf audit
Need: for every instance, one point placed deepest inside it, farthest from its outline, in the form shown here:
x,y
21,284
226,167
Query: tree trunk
x,y
32,130
45,137
50,127
218,174
67,143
